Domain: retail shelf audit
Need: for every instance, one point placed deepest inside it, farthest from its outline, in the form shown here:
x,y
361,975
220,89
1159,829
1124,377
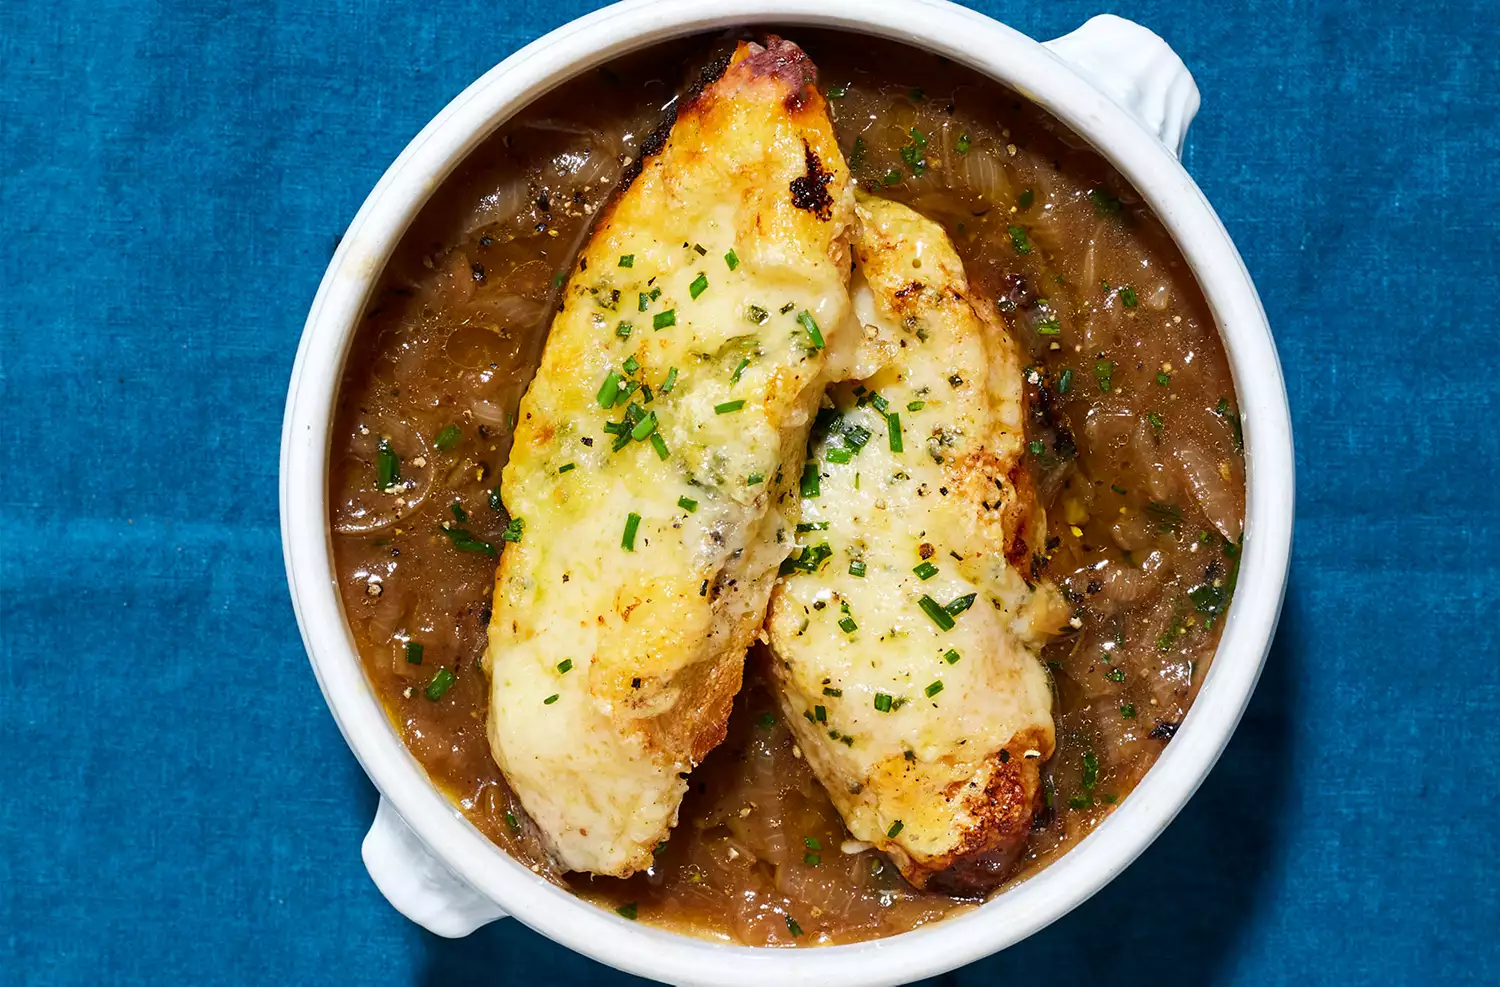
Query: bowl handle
x,y
418,884
1136,69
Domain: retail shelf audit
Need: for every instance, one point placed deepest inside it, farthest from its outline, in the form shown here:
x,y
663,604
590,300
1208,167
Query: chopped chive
x,y
659,444
838,92
811,481
655,294
915,405
1127,710
950,656
459,513
792,926
631,365
1026,198
687,504
466,542
643,302
728,407
663,319
699,286
670,382
839,455
448,437
1090,771
567,468
855,437
892,177
757,315
413,653
896,828
700,249
387,466
1104,372
962,144
1117,489
512,822
557,280
496,502
925,571
961,604
807,526
550,699
811,859
1155,420
609,391
754,478
627,260
1051,327
645,427
811,325
732,259
629,910
1128,296
848,625
734,378
933,688
1104,203
835,693
880,403
934,609
893,428
882,702
512,532
632,523
820,713
1164,379
565,666
442,681
1019,240
1065,381
857,568
1036,447
1115,675
918,138
624,329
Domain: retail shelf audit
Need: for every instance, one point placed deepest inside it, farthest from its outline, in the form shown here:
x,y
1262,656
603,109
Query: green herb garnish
x,y
466,542
1128,296
1104,372
1020,240
934,609
413,653
728,407
882,702
933,688
629,910
811,325
442,681
893,429
811,479
387,466
926,571
951,656
699,286
627,260
732,259
962,144
663,319
448,437
896,828
632,523
857,568
687,504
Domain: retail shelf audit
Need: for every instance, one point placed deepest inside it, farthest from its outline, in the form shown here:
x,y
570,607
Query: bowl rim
x,y
1000,53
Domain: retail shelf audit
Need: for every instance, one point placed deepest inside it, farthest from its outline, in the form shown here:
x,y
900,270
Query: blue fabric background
x,y
176,805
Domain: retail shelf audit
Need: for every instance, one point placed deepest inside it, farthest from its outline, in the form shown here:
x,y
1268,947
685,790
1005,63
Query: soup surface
x,y
1133,436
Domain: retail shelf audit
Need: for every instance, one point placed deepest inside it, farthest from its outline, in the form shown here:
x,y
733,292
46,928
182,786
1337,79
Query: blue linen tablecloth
x,y
176,805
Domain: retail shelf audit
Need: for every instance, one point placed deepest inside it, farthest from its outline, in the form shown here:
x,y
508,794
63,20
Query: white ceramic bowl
x,y
1113,82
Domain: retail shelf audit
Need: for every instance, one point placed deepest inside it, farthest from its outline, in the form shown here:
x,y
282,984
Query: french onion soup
x,y
785,500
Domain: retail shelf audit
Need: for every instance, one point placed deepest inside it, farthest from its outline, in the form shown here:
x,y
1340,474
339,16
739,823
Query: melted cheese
x,y
921,734
708,284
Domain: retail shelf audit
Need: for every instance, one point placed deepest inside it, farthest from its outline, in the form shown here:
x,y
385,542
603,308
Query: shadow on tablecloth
x,y
1180,908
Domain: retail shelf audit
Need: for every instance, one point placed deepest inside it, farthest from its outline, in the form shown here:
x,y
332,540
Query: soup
x,y
1133,440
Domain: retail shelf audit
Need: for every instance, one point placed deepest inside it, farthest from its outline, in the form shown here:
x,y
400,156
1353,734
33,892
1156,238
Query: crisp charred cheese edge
x,y
702,295
896,713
